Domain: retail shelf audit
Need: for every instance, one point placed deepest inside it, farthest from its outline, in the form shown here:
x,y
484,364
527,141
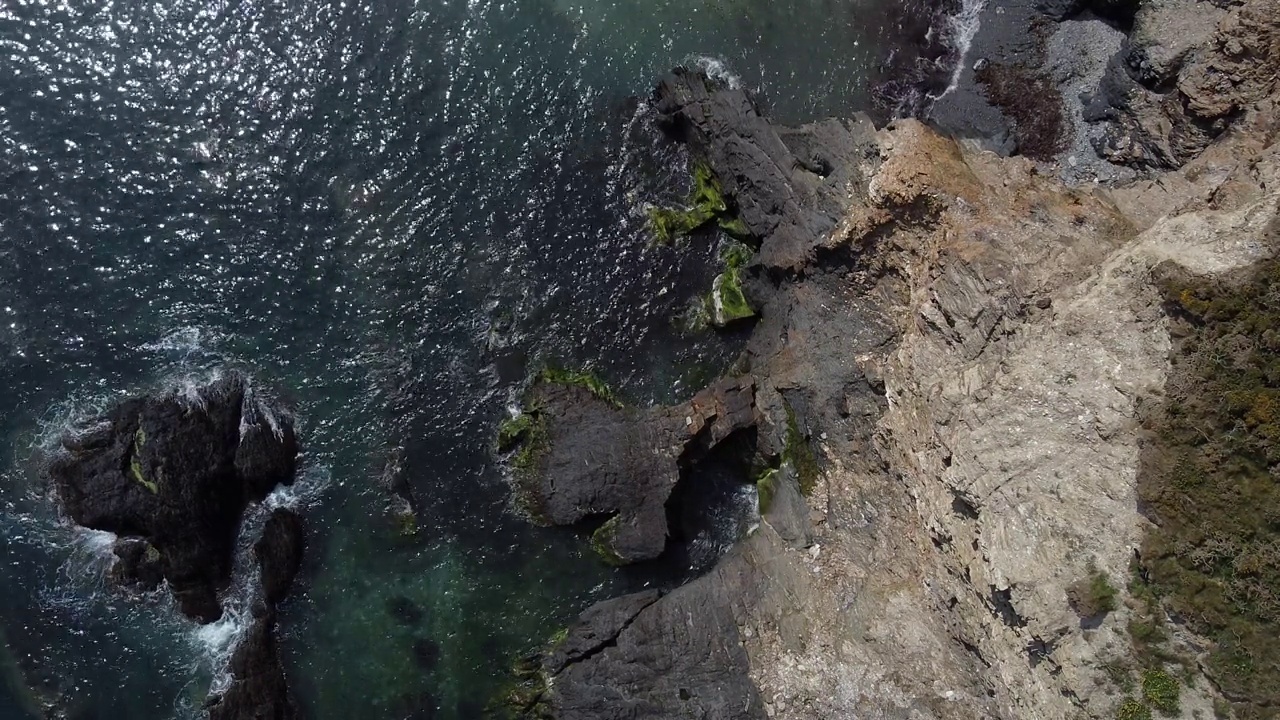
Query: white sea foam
x,y
215,643
187,341
716,69
958,34
304,493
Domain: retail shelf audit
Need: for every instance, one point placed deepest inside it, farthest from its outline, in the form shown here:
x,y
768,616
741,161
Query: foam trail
x,y
216,642
959,33
187,341
304,493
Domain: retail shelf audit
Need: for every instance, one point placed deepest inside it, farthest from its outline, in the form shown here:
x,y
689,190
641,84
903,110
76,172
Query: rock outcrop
x,y
172,473
176,471
587,457
1189,71
258,688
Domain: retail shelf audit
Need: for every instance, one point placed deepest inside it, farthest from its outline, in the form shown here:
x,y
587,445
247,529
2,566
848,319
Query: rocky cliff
x,y
955,368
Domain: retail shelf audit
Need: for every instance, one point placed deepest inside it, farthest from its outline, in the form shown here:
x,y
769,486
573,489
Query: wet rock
x,y
635,657
600,459
137,564
279,552
177,471
258,689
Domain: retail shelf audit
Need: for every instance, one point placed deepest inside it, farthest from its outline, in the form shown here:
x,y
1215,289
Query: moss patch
x,y
706,203
1209,473
525,698
581,378
1092,596
726,303
527,434
602,542
135,462
514,429
766,489
800,454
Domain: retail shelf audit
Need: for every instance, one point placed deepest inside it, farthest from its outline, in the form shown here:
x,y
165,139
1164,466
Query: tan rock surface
x,y
1030,335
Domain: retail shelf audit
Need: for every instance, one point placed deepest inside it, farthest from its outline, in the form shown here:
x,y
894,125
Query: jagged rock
x,y
1190,69
258,688
279,552
601,459
789,201
178,472
636,656
137,564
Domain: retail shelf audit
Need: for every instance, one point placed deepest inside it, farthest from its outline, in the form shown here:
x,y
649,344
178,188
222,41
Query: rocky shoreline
x,y
964,342
171,475
961,329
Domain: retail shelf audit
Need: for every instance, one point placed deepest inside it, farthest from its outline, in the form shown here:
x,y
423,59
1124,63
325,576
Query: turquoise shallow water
x,y
388,212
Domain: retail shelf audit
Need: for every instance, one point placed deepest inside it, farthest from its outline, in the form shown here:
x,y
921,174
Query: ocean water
x,y
388,213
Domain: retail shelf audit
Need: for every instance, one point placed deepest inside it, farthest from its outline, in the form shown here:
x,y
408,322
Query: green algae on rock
x,y
527,436
581,378
602,542
727,303
706,203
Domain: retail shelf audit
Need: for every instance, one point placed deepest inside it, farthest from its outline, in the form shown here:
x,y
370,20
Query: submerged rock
x,y
279,552
176,472
584,457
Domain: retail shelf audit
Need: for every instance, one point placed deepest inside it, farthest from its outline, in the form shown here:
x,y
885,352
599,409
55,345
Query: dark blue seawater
x,y
388,211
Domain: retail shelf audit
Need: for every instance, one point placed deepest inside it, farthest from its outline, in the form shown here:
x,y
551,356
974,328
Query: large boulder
x,y
176,470
586,457
640,656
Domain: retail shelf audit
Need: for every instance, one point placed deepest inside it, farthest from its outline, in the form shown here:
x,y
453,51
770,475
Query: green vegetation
x,y
766,488
525,698
1092,596
799,453
514,429
1209,479
727,301
1161,691
560,637
705,204
1132,709
135,462
581,378
602,542
528,436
